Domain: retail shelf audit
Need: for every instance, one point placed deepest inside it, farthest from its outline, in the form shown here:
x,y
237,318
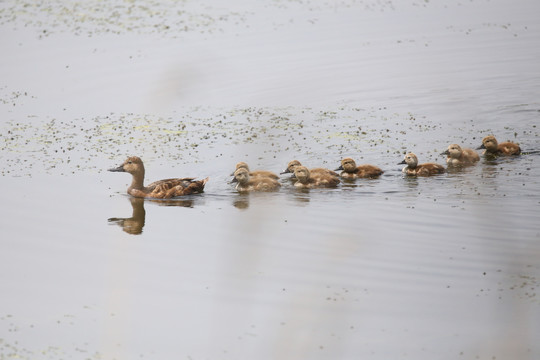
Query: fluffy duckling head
x,y
411,160
242,164
348,165
241,176
454,151
489,143
132,165
302,174
291,166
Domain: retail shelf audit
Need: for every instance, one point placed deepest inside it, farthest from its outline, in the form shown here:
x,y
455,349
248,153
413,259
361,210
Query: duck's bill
x,y
117,169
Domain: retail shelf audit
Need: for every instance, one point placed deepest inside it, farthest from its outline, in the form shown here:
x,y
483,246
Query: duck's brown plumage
x,y
305,180
248,183
457,156
492,147
415,169
349,170
314,172
256,173
162,189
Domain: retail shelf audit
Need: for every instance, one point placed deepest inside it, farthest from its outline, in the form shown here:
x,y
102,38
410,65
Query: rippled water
x,y
442,267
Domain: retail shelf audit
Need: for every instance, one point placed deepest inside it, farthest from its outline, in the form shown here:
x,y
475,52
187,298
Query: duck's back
x,y
326,181
368,171
168,188
259,184
316,172
263,174
428,169
509,148
469,156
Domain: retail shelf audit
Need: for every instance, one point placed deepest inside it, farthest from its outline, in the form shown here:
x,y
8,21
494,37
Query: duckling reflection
x,y
241,202
255,173
134,224
493,148
456,156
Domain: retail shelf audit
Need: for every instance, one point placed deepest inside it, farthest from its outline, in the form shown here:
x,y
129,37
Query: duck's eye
x,y
130,162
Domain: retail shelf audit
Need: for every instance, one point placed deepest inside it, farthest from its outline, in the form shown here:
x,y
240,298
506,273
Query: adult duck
x,y
162,189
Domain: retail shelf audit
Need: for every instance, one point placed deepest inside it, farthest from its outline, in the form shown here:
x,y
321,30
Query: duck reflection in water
x,y
134,225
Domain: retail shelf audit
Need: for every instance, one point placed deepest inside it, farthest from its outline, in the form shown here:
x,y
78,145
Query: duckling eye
x,y
130,162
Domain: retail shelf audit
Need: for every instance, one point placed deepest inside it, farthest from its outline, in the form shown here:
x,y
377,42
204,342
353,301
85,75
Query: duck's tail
x,y
196,186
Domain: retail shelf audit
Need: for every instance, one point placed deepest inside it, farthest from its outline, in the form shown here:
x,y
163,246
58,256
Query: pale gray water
x,y
444,267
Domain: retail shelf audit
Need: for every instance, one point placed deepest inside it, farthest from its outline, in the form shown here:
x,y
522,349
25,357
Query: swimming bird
x,y
306,181
351,171
415,169
493,148
315,172
255,173
162,189
456,156
248,183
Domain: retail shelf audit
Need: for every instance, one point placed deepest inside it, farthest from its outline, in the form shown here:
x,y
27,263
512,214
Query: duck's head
x,y
241,165
410,159
489,143
347,165
241,176
132,165
301,173
291,166
453,151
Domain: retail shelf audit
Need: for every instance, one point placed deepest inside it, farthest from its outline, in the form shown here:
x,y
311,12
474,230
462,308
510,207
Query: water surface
x,y
395,267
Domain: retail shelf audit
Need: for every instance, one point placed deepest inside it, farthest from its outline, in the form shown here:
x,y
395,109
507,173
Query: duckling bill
x,y
161,189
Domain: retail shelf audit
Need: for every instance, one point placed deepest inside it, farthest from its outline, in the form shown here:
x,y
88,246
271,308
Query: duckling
x,y
248,183
456,156
493,148
414,169
162,189
351,171
256,173
305,180
314,173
